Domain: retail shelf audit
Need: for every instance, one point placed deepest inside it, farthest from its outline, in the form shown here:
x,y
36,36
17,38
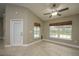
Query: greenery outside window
x,y
36,30
60,31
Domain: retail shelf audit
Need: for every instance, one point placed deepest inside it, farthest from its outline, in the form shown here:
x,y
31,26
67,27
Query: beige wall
x,y
75,26
46,25
28,17
1,28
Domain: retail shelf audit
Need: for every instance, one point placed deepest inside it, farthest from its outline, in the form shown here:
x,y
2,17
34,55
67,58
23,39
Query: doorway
x,y
16,32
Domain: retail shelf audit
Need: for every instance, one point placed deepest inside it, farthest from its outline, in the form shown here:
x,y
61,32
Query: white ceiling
x,y
40,8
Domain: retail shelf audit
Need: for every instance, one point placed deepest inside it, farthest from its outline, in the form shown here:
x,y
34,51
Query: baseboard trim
x,y
74,46
62,43
25,44
32,43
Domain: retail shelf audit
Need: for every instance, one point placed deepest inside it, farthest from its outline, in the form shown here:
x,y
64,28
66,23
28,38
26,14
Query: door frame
x,y
11,31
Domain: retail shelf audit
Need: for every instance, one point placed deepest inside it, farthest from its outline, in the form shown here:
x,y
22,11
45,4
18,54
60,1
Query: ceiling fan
x,y
55,11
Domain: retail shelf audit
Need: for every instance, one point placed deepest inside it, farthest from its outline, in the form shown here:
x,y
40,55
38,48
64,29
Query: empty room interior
x,y
39,29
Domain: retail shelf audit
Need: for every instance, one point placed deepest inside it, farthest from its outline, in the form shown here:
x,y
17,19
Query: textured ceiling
x,y
40,8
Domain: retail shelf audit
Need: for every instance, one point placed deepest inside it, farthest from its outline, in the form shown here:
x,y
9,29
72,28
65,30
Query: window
x,y
60,31
36,31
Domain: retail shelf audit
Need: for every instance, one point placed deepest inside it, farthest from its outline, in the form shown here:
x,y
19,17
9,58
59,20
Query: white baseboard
x,y
25,44
74,46
31,43
7,45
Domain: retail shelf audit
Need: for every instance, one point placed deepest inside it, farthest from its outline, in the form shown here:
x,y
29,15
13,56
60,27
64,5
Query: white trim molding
x,y
25,44
7,45
32,43
71,45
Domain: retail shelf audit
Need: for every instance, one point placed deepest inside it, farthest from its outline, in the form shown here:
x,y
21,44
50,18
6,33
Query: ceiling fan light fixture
x,y
54,13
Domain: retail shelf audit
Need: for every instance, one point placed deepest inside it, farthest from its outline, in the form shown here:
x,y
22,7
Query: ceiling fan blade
x,y
50,16
63,9
59,14
47,13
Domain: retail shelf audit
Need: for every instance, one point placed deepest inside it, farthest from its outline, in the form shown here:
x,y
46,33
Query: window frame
x,y
60,33
36,31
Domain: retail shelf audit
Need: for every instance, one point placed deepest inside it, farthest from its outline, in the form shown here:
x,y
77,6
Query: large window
x,y
63,31
36,30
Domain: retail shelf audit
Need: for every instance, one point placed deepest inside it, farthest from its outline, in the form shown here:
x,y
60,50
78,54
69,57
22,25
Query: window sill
x,y
60,38
36,38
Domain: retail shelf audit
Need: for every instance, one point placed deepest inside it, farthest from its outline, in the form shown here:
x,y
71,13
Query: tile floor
x,y
40,49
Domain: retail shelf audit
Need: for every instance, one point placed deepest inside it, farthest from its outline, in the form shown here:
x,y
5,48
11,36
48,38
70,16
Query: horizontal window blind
x,y
61,23
37,24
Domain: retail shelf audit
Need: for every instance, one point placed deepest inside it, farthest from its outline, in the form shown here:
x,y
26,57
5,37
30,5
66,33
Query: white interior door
x,y
16,31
